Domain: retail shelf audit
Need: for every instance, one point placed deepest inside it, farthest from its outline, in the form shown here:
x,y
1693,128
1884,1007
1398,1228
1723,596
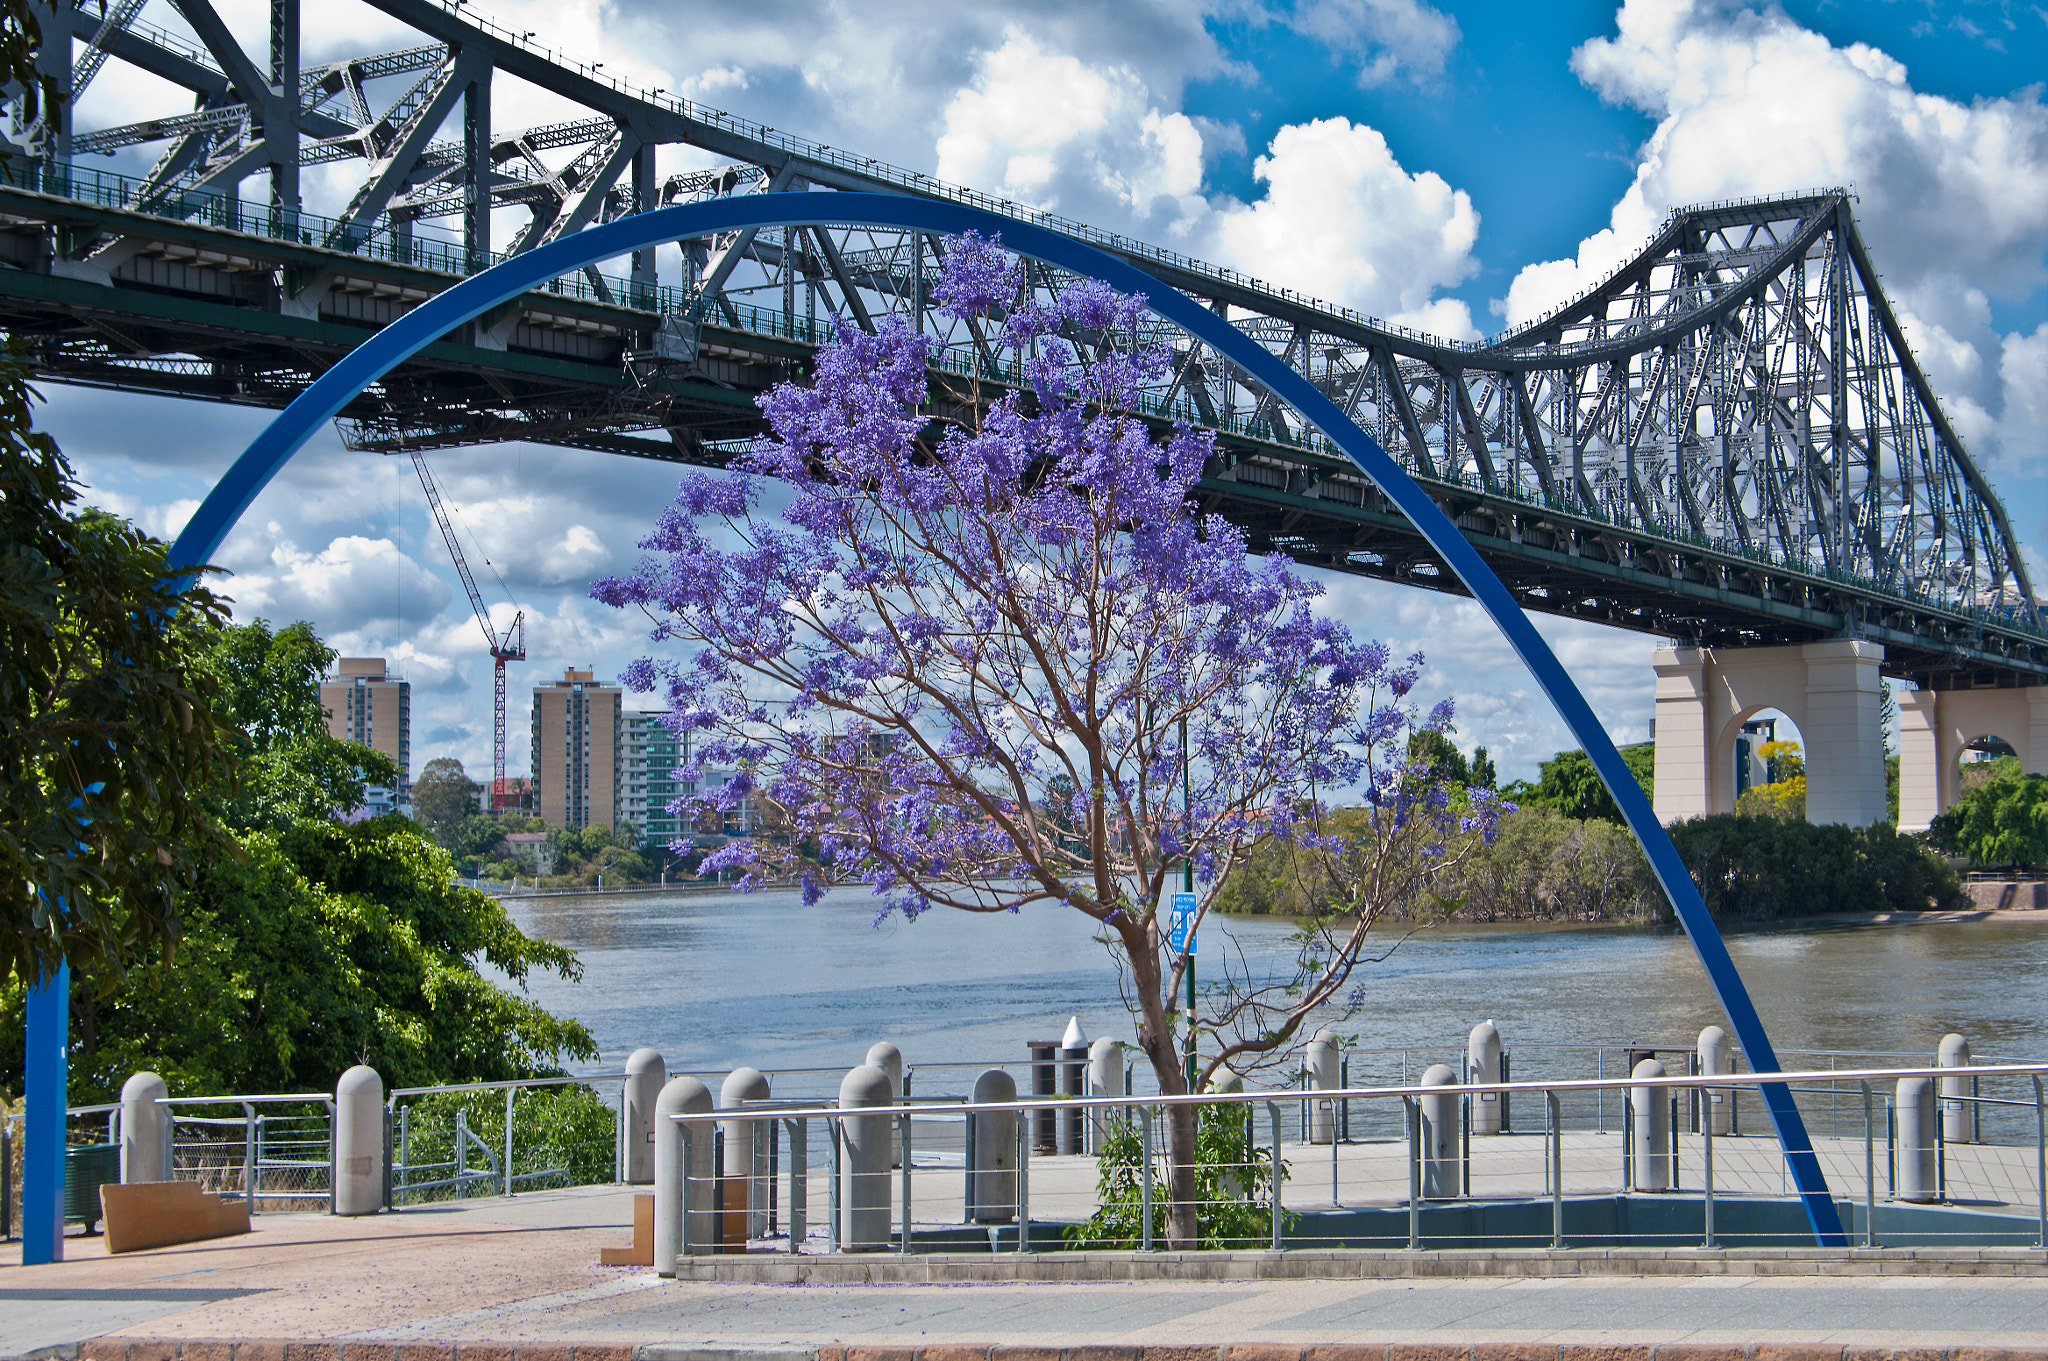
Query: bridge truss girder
x,y
1727,441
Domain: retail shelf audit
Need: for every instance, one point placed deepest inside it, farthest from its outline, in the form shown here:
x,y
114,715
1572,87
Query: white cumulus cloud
x,y
1384,39
1341,218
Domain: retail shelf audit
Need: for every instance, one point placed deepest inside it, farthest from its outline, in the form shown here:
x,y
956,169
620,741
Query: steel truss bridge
x,y
1727,442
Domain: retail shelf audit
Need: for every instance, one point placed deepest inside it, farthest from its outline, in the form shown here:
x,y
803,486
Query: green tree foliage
x,y
1483,775
444,797
1567,783
328,945
1765,869
1232,1174
2001,822
294,769
108,739
1440,757
320,944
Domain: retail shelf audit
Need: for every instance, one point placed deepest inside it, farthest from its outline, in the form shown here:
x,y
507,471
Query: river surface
x,y
714,981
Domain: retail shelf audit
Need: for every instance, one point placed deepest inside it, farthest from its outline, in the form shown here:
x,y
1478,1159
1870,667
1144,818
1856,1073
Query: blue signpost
x,y
42,1154
438,316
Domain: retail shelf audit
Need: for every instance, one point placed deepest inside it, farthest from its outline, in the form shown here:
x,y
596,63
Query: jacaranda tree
x,y
988,655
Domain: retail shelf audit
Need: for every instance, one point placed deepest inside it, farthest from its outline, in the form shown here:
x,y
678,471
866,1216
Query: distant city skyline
x,y
1457,168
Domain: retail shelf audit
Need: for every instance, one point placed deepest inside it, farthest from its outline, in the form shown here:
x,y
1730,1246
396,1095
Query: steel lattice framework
x,y
1727,442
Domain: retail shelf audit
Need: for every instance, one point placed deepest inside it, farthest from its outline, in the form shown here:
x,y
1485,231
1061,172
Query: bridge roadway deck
x,y
497,1279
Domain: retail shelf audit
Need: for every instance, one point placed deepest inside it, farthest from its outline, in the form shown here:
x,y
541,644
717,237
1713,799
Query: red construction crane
x,y
507,647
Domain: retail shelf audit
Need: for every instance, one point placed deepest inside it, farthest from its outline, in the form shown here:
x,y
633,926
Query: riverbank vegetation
x,y
1565,855
2001,820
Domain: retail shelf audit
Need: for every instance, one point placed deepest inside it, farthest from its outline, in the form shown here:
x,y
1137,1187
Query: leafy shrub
x,y
1232,1177
566,1128
1545,866
1763,869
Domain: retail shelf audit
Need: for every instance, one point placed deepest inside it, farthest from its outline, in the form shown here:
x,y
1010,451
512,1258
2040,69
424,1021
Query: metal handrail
x,y
500,1086
298,1098
1681,1081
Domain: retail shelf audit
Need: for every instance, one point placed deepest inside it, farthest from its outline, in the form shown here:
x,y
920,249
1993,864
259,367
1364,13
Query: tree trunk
x,y
1156,1039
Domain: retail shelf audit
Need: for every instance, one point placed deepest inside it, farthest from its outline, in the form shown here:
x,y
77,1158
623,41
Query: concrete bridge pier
x,y
1830,690
1936,725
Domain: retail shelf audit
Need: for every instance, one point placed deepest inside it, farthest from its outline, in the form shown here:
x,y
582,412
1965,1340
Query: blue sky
x,y
1456,166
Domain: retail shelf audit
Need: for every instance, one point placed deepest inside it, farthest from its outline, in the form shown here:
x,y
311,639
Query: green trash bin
x,y
87,1167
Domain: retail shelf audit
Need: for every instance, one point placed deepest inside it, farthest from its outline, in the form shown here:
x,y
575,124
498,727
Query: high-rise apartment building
x,y
367,702
653,754
577,739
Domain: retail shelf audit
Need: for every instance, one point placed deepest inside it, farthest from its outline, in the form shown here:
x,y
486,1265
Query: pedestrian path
x,y
447,1282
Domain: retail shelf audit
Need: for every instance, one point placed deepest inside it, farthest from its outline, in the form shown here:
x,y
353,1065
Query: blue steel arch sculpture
x,y
399,341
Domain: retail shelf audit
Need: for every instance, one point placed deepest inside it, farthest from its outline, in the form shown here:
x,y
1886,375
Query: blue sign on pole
x,y
1180,923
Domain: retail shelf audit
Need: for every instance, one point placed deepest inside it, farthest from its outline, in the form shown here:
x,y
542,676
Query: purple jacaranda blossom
x,y
988,659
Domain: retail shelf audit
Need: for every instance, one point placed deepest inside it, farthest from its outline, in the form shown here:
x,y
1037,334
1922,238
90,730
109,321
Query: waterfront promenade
x,y
489,1278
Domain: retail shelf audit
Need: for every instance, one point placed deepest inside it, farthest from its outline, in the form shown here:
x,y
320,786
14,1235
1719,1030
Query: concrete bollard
x,y
864,1162
672,1237
1325,1064
995,1151
145,1130
1074,1050
746,1145
1439,1135
1714,1061
1482,1064
1956,1107
1919,1174
1651,1109
646,1075
359,1142
889,1059
1105,1078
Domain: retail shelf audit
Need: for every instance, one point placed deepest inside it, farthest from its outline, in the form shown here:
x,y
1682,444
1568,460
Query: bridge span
x,y
1726,444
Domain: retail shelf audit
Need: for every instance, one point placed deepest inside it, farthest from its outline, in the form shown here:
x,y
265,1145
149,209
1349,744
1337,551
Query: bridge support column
x,y
1844,742
1683,785
1921,793
1830,690
1935,726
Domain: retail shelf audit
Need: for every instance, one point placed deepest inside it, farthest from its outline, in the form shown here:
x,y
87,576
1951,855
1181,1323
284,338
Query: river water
x,y
714,981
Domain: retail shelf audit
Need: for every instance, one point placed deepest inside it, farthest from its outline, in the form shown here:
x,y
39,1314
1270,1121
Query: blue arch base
x,y
397,342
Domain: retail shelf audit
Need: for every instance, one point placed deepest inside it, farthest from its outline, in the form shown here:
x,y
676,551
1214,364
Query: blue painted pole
x,y
42,1162
392,346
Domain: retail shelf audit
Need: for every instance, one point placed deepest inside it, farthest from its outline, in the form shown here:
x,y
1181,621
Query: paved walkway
x,y
523,1272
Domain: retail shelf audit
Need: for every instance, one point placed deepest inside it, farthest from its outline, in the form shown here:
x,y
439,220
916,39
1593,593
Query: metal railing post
x,y
1600,1095
1869,1172
904,1125
1704,1114
1145,1180
832,1189
1332,1107
1674,1141
510,1092
2041,1161
1556,1119
403,1173
1628,1143
248,1153
967,1172
1023,1186
799,1182
1414,1170
1465,1143
1273,1190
